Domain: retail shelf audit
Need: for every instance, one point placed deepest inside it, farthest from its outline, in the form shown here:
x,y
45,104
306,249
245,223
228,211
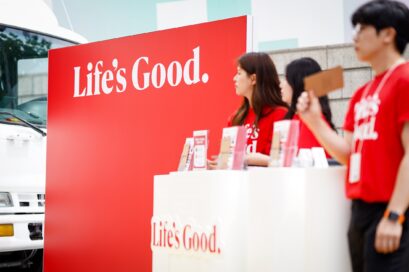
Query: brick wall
x,y
355,73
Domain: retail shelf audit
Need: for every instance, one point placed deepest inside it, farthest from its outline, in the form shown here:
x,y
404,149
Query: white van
x,y
28,29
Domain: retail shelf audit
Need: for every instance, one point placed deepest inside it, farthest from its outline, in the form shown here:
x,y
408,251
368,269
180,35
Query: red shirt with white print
x,y
376,122
307,138
259,137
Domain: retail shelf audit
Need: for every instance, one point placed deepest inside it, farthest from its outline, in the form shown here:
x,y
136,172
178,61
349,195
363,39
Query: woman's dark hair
x,y
295,72
383,14
267,89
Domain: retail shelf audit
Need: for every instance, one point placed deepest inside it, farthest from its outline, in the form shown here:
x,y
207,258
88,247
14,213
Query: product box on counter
x,y
200,145
232,148
284,145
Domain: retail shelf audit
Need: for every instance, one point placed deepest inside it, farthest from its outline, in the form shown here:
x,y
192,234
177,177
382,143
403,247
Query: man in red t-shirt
x,y
375,145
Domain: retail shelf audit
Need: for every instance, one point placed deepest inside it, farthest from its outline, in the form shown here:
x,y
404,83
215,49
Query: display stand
x,y
263,219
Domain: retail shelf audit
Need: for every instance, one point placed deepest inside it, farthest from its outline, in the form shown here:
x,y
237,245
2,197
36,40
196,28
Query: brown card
x,y
183,157
324,82
275,146
224,153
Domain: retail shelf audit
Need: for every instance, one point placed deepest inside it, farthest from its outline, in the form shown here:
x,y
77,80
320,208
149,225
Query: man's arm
x,y
388,234
309,110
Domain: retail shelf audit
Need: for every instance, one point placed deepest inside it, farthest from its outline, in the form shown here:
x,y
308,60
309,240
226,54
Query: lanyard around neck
x,y
375,95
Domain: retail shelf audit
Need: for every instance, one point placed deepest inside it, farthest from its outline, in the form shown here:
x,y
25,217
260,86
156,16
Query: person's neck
x,y
385,60
250,104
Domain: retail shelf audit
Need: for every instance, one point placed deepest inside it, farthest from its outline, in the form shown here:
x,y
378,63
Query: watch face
x,y
393,216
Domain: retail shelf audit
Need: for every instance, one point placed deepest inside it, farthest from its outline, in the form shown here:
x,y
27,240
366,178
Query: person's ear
x,y
253,78
389,35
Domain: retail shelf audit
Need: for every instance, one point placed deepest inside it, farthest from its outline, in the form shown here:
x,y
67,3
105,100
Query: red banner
x,y
119,113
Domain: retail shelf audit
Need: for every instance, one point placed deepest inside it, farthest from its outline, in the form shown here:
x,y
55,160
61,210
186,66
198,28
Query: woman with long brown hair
x,y
257,82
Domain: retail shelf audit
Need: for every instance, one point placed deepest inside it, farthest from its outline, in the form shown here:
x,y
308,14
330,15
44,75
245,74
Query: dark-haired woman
x,y
257,82
292,87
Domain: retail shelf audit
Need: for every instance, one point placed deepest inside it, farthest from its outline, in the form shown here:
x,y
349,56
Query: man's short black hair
x,y
385,13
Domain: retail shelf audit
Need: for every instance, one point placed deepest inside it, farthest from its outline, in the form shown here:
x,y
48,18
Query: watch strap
x,y
394,216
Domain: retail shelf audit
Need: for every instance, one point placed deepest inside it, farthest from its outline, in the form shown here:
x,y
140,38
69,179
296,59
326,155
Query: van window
x,y
24,74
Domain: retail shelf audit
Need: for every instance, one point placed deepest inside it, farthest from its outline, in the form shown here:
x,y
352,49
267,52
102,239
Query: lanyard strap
x,y
375,96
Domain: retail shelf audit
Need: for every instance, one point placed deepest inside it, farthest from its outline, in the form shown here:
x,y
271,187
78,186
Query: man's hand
x,y
309,108
388,236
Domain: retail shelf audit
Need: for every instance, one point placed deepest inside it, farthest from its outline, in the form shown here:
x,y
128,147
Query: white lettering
x,y
186,69
121,80
135,75
143,76
252,148
106,78
162,75
366,131
89,79
178,78
97,74
77,93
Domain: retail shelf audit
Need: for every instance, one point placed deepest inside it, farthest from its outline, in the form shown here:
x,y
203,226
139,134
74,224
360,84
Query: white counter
x,y
263,219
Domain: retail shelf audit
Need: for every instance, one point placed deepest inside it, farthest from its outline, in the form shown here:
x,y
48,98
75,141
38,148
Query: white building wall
x,y
312,22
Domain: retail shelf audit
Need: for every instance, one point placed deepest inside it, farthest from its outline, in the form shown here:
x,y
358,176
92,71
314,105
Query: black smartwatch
x,y
394,216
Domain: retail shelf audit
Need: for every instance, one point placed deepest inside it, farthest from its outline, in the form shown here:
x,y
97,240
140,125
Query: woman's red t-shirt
x,y
307,138
259,137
